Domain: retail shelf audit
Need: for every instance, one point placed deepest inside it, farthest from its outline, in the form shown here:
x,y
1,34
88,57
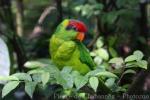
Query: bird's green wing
x,y
65,51
85,55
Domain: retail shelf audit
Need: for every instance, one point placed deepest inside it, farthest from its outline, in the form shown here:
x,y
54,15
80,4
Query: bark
x,y
60,11
19,17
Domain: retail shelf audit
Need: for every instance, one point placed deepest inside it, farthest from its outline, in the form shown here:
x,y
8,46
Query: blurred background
x,y
27,25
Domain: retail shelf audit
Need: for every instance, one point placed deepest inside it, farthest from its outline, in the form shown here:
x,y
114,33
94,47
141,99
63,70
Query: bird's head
x,y
71,29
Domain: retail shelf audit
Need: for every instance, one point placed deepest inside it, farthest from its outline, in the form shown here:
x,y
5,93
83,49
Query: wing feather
x,y
85,55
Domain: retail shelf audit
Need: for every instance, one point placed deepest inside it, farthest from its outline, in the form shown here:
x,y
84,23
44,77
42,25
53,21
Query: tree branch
x,y
38,29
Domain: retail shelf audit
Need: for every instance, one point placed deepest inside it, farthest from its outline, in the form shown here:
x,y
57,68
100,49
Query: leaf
x,y
80,81
129,71
51,68
36,71
37,78
99,42
78,8
93,72
98,60
75,74
113,52
117,61
111,17
69,80
138,54
130,58
33,64
106,74
60,80
142,64
23,76
8,78
110,82
30,88
4,59
9,87
66,70
102,53
94,83
45,78
92,54
38,63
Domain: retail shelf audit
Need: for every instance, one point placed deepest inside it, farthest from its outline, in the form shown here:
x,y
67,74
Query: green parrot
x,y
67,49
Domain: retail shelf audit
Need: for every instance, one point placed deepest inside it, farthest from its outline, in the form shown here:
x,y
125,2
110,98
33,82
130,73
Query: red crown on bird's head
x,y
80,26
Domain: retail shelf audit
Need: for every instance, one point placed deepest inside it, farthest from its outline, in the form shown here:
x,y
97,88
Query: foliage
x,y
46,73
115,25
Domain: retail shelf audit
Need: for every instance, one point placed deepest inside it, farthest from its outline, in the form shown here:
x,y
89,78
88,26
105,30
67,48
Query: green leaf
x,y
93,54
110,82
23,76
98,60
142,64
36,71
113,52
37,78
69,80
66,70
45,78
106,74
75,74
34,64
99,42
8,78
131,65
60,80
9,87
93,72
130,58
111,17
78,8
30,88
102,53
138,54
94,83
117,61
129,71
38,63
80,81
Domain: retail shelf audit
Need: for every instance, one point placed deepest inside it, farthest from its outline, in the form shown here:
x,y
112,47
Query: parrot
x,y
66,47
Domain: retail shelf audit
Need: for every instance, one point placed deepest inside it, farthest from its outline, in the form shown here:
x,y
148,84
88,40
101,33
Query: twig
x,y
38,29
98,30
94,40
45,13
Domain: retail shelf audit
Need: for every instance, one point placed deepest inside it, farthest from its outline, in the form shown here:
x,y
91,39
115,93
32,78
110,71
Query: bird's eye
x,y
74,28
71,28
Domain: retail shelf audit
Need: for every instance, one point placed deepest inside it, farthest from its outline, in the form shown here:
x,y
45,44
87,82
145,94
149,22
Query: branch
x,y
46,12
60,11
98,30
21,57
38,29
19,17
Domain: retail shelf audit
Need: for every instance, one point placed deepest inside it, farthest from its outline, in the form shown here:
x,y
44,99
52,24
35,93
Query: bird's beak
x,y
80,36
